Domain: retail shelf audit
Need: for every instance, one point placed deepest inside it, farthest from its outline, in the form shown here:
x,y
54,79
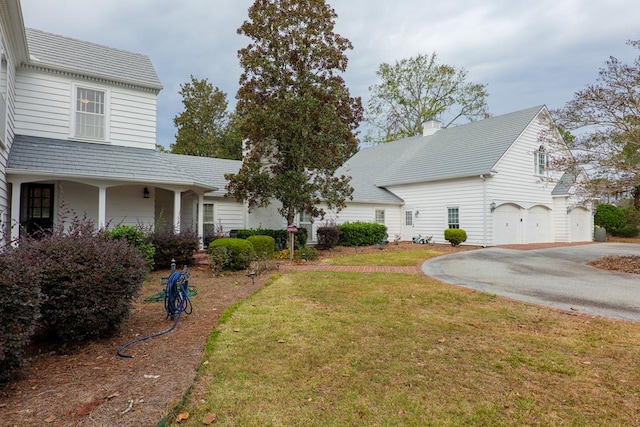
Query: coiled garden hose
x,y
176,302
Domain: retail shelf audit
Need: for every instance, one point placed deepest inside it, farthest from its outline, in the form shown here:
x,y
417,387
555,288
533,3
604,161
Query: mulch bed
x,y
89,385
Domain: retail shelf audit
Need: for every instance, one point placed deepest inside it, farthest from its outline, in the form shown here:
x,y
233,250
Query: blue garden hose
x,y
176,302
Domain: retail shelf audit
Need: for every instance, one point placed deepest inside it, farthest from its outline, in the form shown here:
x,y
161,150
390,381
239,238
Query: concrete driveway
x,y
556,277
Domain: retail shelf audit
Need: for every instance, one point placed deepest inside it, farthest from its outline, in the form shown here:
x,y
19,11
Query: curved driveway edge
x,y
556,277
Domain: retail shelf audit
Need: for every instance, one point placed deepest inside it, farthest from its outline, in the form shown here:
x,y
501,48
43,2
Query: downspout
x,y
484,211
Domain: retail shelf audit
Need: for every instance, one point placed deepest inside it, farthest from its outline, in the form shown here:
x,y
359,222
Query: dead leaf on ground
x,y
209,419
182,417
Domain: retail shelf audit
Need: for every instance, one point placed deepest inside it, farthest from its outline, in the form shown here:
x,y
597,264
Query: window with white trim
x,y
207,212
541,162
90,113
453,217
379,216
305,218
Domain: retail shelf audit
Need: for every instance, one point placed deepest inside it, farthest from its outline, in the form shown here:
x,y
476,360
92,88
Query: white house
x,y
491,178
78,129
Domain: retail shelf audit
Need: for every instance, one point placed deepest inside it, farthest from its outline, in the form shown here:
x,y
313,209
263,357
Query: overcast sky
x,y
527,52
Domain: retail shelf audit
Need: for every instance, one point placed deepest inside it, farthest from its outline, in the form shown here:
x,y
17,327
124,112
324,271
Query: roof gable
x,y
91,60
456,152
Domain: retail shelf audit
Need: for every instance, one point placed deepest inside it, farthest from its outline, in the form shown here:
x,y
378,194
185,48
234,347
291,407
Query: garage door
x,y
580,225
538,225
507,224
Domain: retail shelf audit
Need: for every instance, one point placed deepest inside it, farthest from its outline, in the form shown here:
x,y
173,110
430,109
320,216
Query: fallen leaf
x,y
209,419
281,341
499,350
586,362
50,419
182,417
442,340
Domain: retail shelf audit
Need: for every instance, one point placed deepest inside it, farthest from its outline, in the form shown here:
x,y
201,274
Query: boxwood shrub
x,y
20,296
264,246
88,282
361,233
609,217
455,236
239,252
328,236
280,236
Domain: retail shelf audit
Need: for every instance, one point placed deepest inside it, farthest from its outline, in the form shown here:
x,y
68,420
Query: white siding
x,y
432,200
125,205
560,220
44,108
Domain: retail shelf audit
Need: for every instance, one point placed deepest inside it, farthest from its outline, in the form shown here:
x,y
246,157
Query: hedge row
x,y
361,233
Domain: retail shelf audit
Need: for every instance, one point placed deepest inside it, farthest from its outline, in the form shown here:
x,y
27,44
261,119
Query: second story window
x,y
541,162
90,119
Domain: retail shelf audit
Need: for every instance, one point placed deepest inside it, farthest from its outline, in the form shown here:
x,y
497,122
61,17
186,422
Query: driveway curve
x,y
556,277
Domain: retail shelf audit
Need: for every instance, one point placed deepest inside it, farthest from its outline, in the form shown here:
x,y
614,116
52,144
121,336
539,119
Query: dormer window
x,y
90,113
541,162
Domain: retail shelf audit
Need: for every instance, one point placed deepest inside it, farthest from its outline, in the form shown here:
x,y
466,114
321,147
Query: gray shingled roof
x,y
46,156
90,59
563,187
466,150
207,169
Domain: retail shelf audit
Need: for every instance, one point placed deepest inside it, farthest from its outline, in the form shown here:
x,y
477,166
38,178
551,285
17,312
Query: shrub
x,y
20,296
219,258
280,236
632,216
361,233
171,245
625,232
136,238
264,246
88,282
455,236
240,251
306,253
609,217
328,236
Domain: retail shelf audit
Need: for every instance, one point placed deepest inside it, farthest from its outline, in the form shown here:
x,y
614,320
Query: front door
x,y
38,205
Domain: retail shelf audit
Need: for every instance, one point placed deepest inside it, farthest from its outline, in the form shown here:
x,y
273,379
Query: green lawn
x,y
381,258
345,349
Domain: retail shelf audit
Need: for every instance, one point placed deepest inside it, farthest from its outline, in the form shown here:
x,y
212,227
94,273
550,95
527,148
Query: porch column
x,y
201,219
102,206
176,210
14,220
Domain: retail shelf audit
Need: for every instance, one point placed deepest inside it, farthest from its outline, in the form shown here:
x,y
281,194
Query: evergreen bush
x,y
625,232
135,237
455,236
264,246
361,233
240,252
609,217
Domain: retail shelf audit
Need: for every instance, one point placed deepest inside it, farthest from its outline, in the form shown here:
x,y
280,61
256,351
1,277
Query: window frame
x,y
106,106
541,168
453,217
379,216
205,205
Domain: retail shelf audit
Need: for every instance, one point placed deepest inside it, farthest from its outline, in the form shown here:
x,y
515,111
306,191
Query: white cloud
x,y
529,53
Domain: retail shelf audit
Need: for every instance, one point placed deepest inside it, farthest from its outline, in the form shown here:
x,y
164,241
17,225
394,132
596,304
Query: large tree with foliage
x,y
418,89
298,120
605,121
205,127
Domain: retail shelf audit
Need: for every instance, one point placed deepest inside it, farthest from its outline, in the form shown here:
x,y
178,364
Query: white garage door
x,y
580,225
507,224
538,225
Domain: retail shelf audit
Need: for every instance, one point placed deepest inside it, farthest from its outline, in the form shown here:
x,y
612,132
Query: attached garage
x,y
507,224
580,225
538,228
